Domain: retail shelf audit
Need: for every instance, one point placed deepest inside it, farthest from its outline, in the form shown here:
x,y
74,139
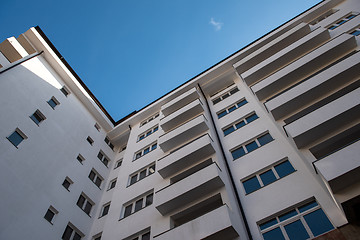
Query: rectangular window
x,y
142,235
97,126
17,137
342,21
50,214
107,141
267,176
102,157
303,222
65,91
37,117
95,177
137,204
66,183
148,133
72,233
149,119
231,108
90,140
118,163
225,95
145,150
97,236
105,209
355,32
80,158
112,184
141,174
53,102
85,203
251,146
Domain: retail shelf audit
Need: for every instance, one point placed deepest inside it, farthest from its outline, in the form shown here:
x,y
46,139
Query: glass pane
x,y
216,100
141,137
145,236
296,231
88,207
265,139
147,150
318,222
36,118
251,146
105,210
229,130
351,16
92,175
113,184
151,169
243,102
332,27
67,233
153,147
148,133
251,118
356,33
138,155
274,234
240,124
234,90
341,22
138,205
251,185
268,224
77,236
49,215
268,177
155,129
100,155
98,182
232,109
225,96
238,153
142,174
149,199
133,179
307,206
127,210
288,215
80,201
105,161
15,138
221,114
284,169
52,103
66,184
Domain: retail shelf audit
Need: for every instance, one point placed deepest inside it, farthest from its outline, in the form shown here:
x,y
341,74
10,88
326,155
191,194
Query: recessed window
x,y
85,203
37,117
53,102
107,141
80,158
65,91
225,95
267,176
97,126
145,150
323,16
137,204
231,108
251,146
102,157
303,222
67,182
112,184
148,132
90,140
141,174
95,178
142,235
355,32
72,233
17,137
118,163
97,236
342,21
149,119
50,214
105,209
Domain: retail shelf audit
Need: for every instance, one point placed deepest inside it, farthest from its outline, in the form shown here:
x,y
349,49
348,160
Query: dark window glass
x,y
77,236
52,103
240,124
145,236
113,184
90,140
341,22
100,155
307,206
142,174
63,90
105,210
137,238
318,222
92,175
238,153
267,177
216,100
133,179
148,133
138,155
37,118
66,184
106,140
138,205
231,109
234,91
221,114
251,118
153,147
287,215
141,137
355,33
265,139
98,182
225,96
333,27
351,16
98,238
284,169
251,146
242,103
15,138
268,224
251,185
155,129
118,164
105,161
229,130
127,210
151,169
296,231
274,234
49,215
147,150
79,159
88,207
67,233
149,199
81,201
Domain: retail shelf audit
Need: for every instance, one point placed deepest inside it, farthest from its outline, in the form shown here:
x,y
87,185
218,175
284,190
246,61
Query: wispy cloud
x,y
217,25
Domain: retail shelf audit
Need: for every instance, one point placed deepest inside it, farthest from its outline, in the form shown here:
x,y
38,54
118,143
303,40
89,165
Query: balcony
x,y
179,101
181,115
325,120
313,88
186,156
183,133
217,224
286,55
341,168
305,66
188,189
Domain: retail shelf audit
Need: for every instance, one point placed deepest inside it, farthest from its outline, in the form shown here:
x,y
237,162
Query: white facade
x,y
262,145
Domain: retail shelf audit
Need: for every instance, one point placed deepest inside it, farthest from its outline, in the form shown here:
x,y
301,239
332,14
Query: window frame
x,y
74,230
224,95
54,212
343,20
108,142
90,140
53,100
144,197
103,212
37,117
147,149
111,184
67,179
149,119
103,158
64,90
80,158
243,119
138,172
232,107
145,134
18,132
96,177
87,202
118,163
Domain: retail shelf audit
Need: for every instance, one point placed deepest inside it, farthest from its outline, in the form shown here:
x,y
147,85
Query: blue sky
x,y
129,53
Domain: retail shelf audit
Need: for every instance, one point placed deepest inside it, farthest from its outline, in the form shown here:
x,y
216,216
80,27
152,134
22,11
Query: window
x,y
17,137
355,32
95,178
251,146
231,108
149,119
97,236
72,233
267,176
141,174
37,117
303,222
85,203
323,16
137,204
225,95
105,209
66,183
80,158
142,235
65,91
90,140
50,214
107,141
145,151
112,184
53,102
148,133
342,21
105,160
97,126
118,163
122,149
240,124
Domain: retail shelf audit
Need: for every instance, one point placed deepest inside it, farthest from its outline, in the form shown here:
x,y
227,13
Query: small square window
x,y
90,140
267,177
50,214
138,205
97,126
154,146
228,130
251,146
67,182
284,169
147,150
37,117
65,91
118,164
53,102
127,211
133,179
238,153
17,137
80,158
112,184
265,139
105,210
251,185
149,199
242,103
142,174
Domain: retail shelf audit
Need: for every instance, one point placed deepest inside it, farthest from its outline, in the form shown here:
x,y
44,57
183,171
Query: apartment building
x,y
262,145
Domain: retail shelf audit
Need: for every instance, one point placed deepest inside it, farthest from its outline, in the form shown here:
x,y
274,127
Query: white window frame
x,y
148,171
148,132
103,158
111,182
342,21
231,106
97,176
37,115
225,95
132,203
87,200
238,121
149,119
149,148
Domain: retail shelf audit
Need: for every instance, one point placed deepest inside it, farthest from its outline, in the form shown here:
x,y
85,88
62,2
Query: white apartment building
x,y
262,145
